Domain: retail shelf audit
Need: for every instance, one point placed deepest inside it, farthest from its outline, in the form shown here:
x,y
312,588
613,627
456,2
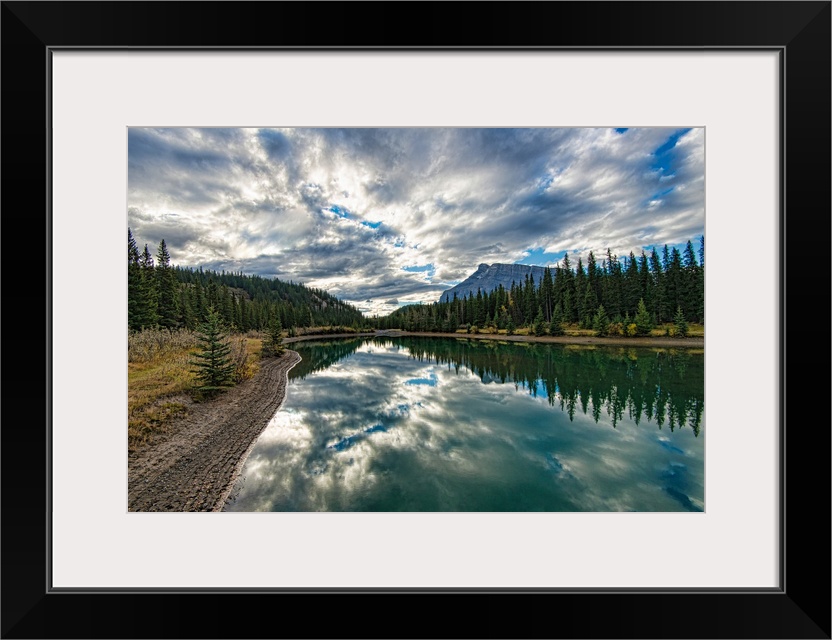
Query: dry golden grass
x,y
694,330
160,382
575,330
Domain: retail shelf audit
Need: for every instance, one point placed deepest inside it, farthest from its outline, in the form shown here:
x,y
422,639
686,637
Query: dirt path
x,y
194,465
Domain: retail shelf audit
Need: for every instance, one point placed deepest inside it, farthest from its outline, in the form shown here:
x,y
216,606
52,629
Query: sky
x,y
386,217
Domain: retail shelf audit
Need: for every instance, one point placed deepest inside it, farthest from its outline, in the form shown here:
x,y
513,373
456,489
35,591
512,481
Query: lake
x,y
441,424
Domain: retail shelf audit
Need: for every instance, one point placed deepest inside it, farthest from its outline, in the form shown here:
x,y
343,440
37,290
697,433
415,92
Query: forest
x,y
628,296
161,295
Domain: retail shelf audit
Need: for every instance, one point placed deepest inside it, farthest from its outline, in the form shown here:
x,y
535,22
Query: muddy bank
x,y
193,466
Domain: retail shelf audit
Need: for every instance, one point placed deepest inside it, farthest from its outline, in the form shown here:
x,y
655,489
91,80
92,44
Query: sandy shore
x,y
194,465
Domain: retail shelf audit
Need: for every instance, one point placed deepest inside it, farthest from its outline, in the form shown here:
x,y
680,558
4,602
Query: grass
x,y
160,383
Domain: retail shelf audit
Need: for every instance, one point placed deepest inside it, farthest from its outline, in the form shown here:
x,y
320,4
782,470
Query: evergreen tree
x,y
539,326
590,303
134,284
680,323
556,326
601,322
632,285
642,319
167,290
658,307
547,294
186,318
214,368
147,292
580,292
273,344
690,283
510,326
702,279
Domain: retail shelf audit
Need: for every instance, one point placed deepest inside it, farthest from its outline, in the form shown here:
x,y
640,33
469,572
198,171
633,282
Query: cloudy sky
x,y
386,217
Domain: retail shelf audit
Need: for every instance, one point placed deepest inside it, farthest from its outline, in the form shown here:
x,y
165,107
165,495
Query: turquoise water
x,y
438,424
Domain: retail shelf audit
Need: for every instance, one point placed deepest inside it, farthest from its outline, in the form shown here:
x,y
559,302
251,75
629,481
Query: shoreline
x,y
647,341
196,464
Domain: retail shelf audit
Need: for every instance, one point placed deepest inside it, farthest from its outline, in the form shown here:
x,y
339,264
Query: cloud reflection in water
x,y
367,433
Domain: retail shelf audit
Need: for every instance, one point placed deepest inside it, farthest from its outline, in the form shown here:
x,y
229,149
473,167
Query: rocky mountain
x,y
489,277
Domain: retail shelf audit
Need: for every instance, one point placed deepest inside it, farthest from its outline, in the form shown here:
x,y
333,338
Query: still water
x,y
427,424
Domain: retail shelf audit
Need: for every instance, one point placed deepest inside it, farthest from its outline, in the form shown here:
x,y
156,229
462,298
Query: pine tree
x,y
642,319
556,326
657,276
273,344
601,322
214,368
547,294
680,323
167,290
691,277
134,284
539,326
148,298
590,302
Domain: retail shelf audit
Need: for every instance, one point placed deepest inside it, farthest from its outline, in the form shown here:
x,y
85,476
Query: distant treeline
x,y
162,295
647,290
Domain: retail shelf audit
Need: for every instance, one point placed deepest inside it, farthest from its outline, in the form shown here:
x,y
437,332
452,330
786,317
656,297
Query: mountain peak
x,y
489,277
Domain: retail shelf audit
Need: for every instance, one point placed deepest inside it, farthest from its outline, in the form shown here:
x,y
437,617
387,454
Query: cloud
x,y
348,209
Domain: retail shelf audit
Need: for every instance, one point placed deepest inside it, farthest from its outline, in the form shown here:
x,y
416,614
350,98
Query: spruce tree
x,y
547,293
556,326
680,323
273,344
213,366
134,284
148,296
539,326
601,322
167,288
657,277
642,319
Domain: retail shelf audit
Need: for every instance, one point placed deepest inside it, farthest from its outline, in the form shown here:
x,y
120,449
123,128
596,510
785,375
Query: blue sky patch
x,y
540,258
421,268
430,381
664,155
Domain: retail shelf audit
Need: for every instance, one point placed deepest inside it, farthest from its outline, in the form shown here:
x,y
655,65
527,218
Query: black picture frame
x,y
800,31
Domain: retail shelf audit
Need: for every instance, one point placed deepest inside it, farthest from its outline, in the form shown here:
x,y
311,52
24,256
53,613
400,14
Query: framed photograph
x,y
118,113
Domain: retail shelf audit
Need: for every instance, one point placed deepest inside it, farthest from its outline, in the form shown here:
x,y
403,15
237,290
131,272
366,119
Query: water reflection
x,y
421,424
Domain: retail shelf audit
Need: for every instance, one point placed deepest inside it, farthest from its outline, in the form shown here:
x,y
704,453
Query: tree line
x,y
618,296
161,295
